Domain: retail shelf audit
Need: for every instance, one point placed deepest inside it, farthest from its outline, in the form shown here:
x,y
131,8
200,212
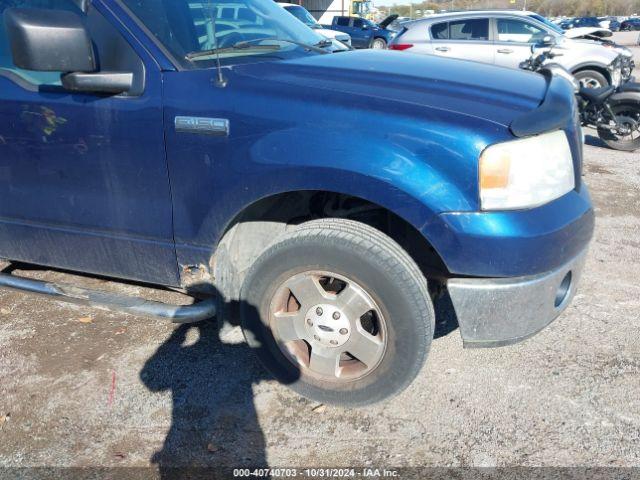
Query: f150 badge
x,y
203,126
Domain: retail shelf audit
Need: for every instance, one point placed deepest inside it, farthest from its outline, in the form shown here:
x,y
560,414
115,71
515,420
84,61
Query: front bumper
x,y
503,311
514,243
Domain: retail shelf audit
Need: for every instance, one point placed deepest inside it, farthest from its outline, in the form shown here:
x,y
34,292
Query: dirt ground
x,y
627,38
80,387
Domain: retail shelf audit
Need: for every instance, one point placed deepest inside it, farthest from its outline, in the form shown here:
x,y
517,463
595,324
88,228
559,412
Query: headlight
x,y
526,173
616,77
616,72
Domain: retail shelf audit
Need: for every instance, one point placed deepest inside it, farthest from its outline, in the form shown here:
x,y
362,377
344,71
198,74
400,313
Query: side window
x,y
343,21
226,14
358,23
510,30
6,60
470,29
440,31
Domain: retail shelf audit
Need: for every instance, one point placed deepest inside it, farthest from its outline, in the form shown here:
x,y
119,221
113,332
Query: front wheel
x,y
339,312
591,79
626,136
379,44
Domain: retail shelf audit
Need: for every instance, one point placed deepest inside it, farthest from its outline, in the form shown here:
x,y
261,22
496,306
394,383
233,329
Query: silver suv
x,y
504,38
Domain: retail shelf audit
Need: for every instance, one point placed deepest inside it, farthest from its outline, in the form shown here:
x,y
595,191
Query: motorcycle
x,y
614,110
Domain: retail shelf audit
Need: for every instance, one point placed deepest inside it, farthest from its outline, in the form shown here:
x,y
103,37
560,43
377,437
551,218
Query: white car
x,y
504,38
305,17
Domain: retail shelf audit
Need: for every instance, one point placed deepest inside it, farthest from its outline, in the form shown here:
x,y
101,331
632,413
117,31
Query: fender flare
x,y
241,242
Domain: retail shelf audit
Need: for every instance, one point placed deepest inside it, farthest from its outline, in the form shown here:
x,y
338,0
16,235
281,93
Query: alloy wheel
x,y
590,82
328,325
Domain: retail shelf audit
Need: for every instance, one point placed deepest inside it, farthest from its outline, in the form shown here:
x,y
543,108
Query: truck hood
x,y
388,21
494,94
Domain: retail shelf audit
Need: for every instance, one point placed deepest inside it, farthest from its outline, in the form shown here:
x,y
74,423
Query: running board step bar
x,y
110,301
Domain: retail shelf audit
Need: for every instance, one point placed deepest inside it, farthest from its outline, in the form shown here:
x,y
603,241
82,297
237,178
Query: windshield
x,y
302,14
548,23
186,27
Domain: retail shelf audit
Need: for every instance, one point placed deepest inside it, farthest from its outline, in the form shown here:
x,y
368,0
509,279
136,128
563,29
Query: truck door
x,y
361,33
83,176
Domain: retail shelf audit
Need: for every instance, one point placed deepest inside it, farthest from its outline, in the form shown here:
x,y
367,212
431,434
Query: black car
x,y
580,22
630,24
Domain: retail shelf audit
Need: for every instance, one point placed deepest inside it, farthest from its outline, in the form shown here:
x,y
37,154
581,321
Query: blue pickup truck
x,y
325,200
365,33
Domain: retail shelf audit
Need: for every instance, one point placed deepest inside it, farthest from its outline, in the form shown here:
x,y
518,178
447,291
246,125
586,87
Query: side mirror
x,y
546,41
101,82
57,41
365,26
49,40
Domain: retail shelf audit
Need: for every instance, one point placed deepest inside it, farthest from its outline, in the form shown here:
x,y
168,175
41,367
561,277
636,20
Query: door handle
x,y
505,51
443,49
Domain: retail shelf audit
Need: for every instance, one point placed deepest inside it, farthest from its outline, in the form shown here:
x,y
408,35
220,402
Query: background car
x,y
504,38
610,23
630,24
580,22
365,33
305,17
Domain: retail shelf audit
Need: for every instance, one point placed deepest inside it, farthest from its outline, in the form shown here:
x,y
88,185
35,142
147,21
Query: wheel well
x,y
595,68
253,230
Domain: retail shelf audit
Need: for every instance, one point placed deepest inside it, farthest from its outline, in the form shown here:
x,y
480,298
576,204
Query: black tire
x,y
382,268
585,76
379,44
631,112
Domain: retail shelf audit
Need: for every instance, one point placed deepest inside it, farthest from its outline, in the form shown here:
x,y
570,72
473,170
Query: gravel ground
x,y
81,387
632,40
627,38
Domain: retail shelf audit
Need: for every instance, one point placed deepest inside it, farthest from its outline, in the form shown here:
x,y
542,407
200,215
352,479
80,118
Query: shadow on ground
x,y
595,141
214,422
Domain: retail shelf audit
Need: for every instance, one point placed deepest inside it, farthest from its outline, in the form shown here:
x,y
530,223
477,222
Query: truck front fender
x,y
414,177
393,178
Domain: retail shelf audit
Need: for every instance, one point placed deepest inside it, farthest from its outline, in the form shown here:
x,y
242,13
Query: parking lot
x,y
83,387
